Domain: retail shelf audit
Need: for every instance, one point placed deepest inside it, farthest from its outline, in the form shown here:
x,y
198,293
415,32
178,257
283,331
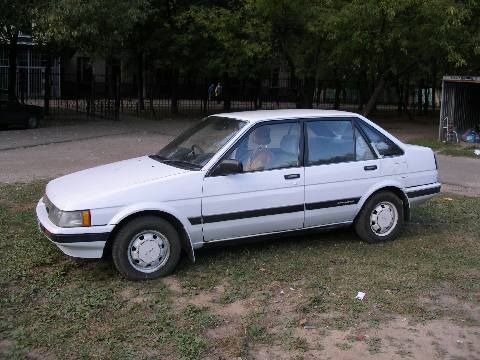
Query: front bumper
x,y
79,242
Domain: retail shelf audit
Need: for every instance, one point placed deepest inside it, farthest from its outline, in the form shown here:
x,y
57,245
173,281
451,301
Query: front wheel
x,y
146,248
381,218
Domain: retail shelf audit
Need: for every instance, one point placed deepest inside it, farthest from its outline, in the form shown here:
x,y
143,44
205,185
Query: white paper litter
x,y
360,295
476,152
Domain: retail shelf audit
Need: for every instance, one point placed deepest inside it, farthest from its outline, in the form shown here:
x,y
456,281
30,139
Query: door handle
x,y
291,176
370,167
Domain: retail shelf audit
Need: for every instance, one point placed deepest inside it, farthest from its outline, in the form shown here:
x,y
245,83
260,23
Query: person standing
x,y
211,90
218,92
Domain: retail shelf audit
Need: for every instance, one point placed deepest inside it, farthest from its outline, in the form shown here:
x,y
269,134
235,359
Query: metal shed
x,y
460,106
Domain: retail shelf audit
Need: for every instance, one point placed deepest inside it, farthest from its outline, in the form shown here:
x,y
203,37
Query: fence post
x,y
48,83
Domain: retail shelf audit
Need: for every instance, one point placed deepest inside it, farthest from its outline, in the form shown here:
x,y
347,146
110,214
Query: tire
x,y
32,122
381,218
146,248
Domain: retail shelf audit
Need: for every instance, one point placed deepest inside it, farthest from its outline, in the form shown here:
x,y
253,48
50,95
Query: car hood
x,y
80,187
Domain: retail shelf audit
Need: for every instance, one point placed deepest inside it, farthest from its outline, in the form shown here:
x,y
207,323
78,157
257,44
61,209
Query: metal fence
x,y
106,97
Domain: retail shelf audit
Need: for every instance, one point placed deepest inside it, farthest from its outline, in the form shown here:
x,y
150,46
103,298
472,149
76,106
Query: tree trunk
x,y
141,100
48,83
309,89
406,95
258,94
376,93
174,91
117,97
226,92
336,102
434,82
419,97
362,88
12,69
399,89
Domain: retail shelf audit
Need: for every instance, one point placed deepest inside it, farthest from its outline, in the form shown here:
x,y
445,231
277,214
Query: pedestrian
x,y
211,90
218,92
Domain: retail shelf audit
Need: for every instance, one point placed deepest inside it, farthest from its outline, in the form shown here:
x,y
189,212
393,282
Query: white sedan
x,y
239,175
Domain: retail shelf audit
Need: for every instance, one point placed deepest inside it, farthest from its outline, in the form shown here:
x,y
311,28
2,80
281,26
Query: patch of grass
x,y
233,294
200,317
451,149
299,343
256,332
374,345
189,345
67,308
71,308
344,346
316,303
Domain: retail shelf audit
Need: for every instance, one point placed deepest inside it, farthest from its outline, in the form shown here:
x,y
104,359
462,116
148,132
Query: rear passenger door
x,y
340,166
393,160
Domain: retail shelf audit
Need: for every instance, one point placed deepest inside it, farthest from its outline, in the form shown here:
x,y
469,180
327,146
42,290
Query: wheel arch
x,y
393,189
185,239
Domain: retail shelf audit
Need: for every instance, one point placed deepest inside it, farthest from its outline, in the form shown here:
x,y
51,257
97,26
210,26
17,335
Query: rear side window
x,y
362,150
330,141
384,146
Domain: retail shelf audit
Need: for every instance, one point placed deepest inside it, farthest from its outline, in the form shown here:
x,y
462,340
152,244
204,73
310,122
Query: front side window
x,y
384,146
268,147
196,146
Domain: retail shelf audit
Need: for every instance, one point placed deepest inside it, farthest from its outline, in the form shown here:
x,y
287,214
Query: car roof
x,y
261,115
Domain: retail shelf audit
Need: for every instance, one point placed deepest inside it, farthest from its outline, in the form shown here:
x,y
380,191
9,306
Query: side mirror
x,y
227,167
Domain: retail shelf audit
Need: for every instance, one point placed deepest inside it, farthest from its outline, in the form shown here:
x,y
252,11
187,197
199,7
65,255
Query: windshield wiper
x,y
178,163
157,157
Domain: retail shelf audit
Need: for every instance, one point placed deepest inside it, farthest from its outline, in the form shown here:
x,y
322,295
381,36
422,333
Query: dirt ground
x,y
394,338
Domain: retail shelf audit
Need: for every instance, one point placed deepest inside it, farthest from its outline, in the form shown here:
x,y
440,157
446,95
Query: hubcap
x,y
384,218
148,251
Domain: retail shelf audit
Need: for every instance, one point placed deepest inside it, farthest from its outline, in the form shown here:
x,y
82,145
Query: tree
x,y
391,39
226,38
300,34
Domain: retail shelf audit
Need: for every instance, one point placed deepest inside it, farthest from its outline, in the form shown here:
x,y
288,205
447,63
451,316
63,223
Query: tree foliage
x,y
376,41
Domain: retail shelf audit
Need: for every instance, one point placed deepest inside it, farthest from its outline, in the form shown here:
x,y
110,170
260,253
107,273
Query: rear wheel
x,y
381,218
146,248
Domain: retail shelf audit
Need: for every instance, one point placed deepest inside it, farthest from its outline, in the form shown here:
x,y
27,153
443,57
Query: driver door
x,y
268,196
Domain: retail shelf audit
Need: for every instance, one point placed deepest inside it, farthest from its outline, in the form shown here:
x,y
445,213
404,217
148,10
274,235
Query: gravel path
x,y
48,152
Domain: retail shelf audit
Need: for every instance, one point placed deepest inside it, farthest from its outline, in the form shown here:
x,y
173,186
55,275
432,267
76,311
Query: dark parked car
x,y
16,114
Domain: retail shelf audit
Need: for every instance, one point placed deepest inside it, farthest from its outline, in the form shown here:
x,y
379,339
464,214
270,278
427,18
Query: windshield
x,y
196,146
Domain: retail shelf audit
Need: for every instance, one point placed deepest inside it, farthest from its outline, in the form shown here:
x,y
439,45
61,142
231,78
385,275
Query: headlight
x,y
73,218
67,218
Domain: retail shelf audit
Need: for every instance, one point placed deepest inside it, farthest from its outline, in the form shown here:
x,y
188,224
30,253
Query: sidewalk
x,y
90,129
459,175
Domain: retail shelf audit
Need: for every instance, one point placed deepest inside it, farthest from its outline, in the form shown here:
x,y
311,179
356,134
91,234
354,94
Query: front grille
x,y
48,203
52,211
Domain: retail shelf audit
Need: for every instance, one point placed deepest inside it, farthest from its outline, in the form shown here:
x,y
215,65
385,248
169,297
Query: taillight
x,y
435,157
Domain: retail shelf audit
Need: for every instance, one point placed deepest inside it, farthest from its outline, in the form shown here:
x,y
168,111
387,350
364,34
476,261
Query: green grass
x,y
451,149
65,308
